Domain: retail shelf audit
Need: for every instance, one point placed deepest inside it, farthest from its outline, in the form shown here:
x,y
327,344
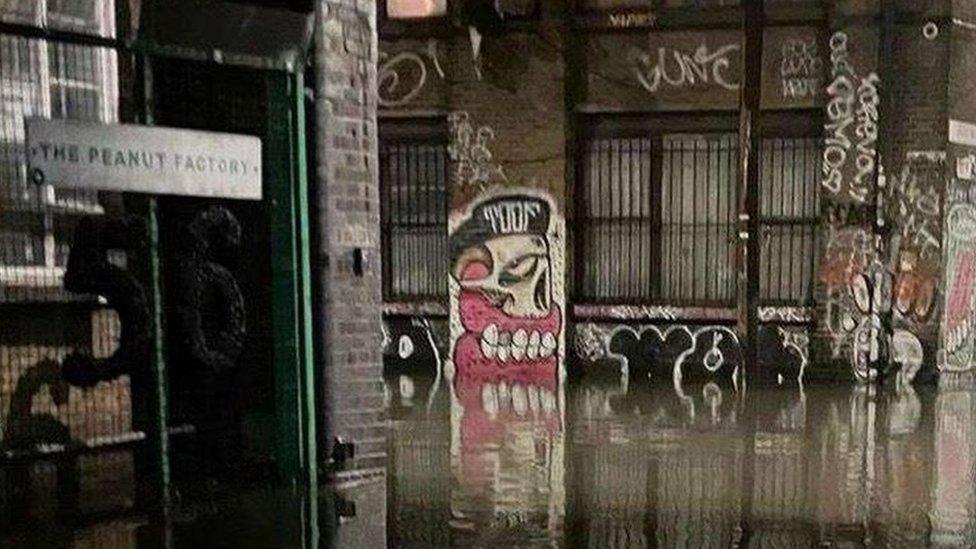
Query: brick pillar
x,y
881,273
346,199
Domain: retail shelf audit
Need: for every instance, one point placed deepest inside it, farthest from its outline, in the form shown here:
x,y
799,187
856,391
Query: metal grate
x,y
657,219
789,172
413,190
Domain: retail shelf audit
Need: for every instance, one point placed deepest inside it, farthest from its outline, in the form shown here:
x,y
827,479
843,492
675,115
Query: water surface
x,y
607,463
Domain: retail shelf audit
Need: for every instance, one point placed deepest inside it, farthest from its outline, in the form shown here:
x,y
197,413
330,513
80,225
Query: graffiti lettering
x,y
630,20
409,67
852,101
681,69
800,68
470,152
511,217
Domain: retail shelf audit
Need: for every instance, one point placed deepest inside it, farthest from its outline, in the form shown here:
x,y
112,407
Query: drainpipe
x,y
881,228
748,225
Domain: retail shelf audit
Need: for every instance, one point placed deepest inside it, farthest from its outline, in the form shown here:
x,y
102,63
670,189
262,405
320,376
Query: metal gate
x,y
108,299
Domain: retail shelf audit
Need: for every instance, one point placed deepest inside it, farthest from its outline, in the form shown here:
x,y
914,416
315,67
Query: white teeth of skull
x,y
521,338
518,353
504,346
489,341
504,395
548,345
532,350
487,349
519,342
491,334
519,400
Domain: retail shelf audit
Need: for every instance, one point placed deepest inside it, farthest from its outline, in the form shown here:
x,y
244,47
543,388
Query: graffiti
x,y
89,271
852,101
907,353
505,279
784,314
914,204
469,150
27,431
677,352
800,68
590,341
797,342
630,20
625,312
957,324
401,77
411,352
681,69
854,321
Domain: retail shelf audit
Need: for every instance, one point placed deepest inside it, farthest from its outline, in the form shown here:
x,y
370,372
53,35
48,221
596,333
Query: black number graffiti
x,y
209,302
26,429
89,271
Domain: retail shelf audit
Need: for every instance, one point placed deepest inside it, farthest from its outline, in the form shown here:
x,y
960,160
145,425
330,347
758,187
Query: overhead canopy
x,y
234,33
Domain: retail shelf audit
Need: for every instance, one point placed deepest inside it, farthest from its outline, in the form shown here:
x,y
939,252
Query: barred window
x,y
789,206
657,211
52,80
413,209
657,216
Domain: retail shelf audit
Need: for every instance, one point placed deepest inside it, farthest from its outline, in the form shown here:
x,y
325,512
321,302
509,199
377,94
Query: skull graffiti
x,y
501,263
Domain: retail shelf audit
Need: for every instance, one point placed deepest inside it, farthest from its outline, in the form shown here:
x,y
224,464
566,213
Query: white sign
x,y
962,133
143,159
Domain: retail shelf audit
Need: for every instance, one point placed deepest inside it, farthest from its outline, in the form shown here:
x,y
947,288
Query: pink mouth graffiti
x,y
494,340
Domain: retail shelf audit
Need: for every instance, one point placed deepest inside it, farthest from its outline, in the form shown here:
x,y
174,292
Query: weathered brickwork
x,y
347,206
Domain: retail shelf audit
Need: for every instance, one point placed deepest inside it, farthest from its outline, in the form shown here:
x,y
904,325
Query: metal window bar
x,y
657,219
789,174
413,191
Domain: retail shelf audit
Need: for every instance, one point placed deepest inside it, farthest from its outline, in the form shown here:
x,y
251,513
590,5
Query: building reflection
x,y
626,464
953,488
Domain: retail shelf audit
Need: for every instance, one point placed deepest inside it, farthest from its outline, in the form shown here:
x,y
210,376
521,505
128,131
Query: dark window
x,y
413,193
657,215
789,207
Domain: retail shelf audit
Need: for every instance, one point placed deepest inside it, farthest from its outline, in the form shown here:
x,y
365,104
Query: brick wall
x,y
347,223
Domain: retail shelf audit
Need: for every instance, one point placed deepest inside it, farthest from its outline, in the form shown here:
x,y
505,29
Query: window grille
x,y
657,218
413,189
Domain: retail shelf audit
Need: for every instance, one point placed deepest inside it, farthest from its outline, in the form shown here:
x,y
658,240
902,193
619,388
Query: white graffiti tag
x,y
401,77
681,69
853,101
470,152
800,68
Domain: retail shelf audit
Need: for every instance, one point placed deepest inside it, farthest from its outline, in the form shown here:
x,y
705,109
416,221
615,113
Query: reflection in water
x,y
615,464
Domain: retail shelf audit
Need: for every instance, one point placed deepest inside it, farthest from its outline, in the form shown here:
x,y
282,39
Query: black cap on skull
x,y
501,216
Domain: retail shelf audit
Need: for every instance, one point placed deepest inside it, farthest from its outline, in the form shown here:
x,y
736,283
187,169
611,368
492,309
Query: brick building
x,y
625,126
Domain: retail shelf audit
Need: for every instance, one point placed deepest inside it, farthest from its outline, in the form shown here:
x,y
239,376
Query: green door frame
x,y
286,193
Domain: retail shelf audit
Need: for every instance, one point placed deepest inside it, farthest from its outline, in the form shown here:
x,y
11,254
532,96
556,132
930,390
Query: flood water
x,y
607,463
